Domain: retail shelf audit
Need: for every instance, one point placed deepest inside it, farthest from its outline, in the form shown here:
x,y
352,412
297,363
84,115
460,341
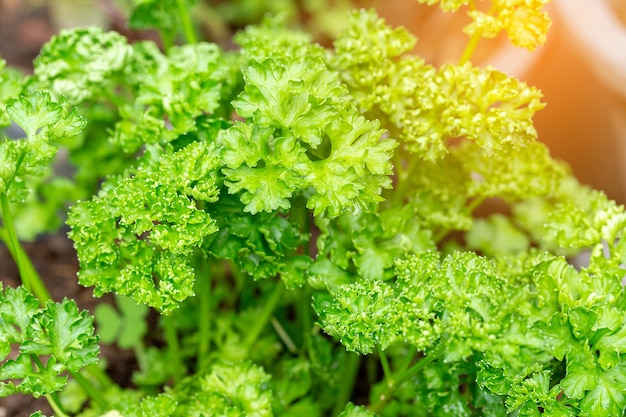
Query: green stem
x,y
173,348
98,375
347,387
393,384
90,390
473,42
168,40
203,283
403,178
52,398
470,48
473,205
141,355
17,167
56,406
408,358
188,30
28,274
265,315
284,336
305,318
385,364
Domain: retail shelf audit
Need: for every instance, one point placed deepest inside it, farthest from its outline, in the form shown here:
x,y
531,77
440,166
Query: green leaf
x,y
138,235
236,389
49,340
360,315
301,135
126,327
579,380
81,64
173,92
496,235
65,333
263,245
11,82
156,14
430,106
161,405
606,397
46,123
533,396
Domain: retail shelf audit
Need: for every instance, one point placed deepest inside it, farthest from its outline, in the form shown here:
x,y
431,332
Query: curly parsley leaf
x,y
300,137
156,14
429,106
231,389
369,242
82,64
171,91
352,410
11,85
263,245
146,227
525,23
49,340
46,123
358,314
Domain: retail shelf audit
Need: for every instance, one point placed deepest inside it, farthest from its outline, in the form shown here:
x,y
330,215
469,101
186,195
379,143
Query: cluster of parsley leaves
x,y
302,222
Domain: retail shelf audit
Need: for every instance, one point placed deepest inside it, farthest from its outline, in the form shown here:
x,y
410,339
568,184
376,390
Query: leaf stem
x,y
56,406
90,390
303,309
188,30
28,274
265,315
473,42
470,48
173,348
284,336
203,284
346,388
385,364
393,384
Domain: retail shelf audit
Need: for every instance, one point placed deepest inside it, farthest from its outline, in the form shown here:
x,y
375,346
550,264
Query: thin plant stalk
x,y
264,317
394,383
90,390
28,274
53,399
349,380
56,406
203,283
188,30
173,348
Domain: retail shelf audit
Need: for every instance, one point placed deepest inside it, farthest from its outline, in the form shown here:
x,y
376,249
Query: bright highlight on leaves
x,y
300,134
524,21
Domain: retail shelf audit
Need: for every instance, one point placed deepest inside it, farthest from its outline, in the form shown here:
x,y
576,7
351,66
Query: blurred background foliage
x,y
583,124
26,24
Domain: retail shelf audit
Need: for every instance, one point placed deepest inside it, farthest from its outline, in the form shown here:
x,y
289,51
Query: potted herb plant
x,y
299,224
